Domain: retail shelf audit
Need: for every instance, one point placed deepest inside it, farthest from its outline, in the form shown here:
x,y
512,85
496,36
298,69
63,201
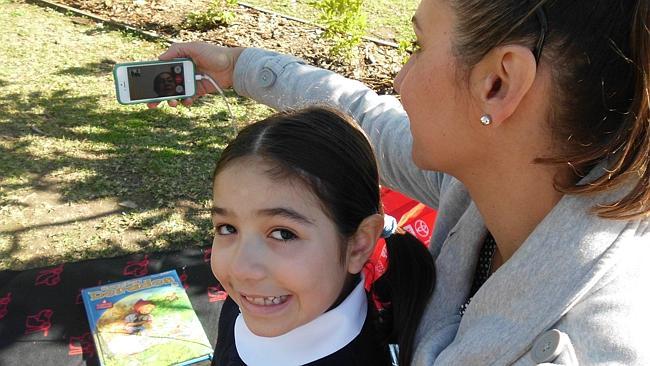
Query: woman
x,y
528,128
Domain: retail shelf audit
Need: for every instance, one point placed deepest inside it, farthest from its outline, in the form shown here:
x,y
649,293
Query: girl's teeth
x,y
266,301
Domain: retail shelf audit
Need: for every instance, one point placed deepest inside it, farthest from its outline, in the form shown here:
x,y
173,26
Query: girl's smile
x,y
266,306
266,301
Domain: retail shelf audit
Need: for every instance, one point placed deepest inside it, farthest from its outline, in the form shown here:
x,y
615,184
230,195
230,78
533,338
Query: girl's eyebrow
x,y
285,212
277,211
215,210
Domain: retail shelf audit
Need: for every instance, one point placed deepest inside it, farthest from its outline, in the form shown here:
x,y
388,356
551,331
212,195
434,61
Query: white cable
x,y
200,77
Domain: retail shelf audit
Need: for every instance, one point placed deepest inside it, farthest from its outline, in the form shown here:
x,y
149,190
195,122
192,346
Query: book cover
x,y
145,321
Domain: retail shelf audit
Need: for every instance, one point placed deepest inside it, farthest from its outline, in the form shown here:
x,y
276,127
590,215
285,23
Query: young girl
x,y
297,213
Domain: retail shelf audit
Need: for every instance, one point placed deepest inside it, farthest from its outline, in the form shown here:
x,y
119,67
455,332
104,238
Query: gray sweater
x,y
575,292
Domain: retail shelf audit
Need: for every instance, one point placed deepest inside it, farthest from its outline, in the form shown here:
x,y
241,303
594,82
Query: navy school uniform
x,y
363,350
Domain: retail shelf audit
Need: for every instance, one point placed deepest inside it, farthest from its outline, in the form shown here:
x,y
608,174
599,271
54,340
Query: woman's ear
x,y
501,80
362,243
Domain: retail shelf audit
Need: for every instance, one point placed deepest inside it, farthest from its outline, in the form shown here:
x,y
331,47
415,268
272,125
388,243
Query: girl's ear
x,y
362,243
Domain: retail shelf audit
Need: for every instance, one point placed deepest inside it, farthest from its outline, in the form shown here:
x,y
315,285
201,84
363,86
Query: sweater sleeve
x,y
284,82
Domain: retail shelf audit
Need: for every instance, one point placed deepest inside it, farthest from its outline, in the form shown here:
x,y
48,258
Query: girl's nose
x,y
248,261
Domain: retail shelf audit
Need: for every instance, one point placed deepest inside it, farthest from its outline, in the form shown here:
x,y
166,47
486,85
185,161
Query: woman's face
x,y
434,99
275,251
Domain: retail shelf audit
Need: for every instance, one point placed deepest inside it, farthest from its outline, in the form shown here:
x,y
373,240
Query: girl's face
x,y
275,251
432,96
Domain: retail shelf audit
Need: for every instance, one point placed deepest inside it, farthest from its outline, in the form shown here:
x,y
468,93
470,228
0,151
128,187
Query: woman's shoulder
x,y
625,263
610,321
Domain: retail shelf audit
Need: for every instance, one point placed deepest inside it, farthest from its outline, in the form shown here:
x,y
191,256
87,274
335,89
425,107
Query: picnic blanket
x,y
42,317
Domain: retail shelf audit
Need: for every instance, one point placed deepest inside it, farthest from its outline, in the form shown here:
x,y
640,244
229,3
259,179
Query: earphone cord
x,y
199,77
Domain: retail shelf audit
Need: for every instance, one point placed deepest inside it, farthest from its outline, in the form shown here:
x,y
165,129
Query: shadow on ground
x,y
158,159
96,68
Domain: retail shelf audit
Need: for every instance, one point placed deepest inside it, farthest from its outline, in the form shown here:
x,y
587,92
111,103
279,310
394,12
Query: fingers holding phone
x,y
215,61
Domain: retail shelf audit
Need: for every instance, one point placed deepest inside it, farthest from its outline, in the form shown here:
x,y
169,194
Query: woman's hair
x,y
332,157
598,52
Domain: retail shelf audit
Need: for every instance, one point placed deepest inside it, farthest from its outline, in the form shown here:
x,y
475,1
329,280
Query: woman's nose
x,y
397,82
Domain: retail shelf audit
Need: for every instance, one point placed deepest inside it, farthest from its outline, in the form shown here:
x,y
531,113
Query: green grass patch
x,y
387,19
69,153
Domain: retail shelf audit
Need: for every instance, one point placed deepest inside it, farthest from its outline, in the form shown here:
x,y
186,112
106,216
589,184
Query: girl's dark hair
x,y
331,155
598,52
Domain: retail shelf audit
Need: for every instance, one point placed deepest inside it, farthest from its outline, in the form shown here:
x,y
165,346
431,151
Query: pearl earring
x,y
486,119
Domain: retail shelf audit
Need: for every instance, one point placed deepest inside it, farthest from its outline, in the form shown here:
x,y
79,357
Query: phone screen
x,y
153,81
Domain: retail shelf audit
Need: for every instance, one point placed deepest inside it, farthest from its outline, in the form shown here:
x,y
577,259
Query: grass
x,y
387,19
70,154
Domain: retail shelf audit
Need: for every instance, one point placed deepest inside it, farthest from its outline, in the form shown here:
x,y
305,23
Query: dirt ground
x,y
376,65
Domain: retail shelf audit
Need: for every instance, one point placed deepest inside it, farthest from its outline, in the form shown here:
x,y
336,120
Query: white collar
x,y
320,337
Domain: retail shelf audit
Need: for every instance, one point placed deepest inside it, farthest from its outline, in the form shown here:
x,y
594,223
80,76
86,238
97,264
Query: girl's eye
x,y
226,229
283,234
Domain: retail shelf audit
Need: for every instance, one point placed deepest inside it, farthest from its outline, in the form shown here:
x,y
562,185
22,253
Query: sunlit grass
x,y
70,155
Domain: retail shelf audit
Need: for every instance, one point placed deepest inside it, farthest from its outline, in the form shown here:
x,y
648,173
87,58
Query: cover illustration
x,y
145,321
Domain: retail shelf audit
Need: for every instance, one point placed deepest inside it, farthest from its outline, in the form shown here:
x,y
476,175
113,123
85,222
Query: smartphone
x,y
154,81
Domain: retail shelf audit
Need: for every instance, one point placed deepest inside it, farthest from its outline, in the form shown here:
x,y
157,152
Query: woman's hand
x,y
215,61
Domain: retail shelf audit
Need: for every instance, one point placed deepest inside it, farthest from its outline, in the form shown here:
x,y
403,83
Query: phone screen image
x,y
153,81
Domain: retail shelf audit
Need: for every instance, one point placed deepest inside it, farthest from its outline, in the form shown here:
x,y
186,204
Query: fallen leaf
x,y
128,204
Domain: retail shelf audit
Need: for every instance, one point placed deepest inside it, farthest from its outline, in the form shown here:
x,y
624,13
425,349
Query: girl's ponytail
x,y
405,288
